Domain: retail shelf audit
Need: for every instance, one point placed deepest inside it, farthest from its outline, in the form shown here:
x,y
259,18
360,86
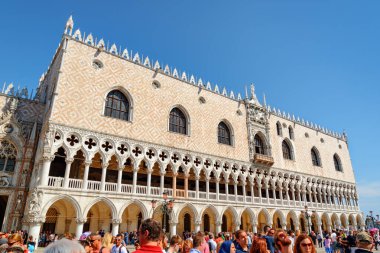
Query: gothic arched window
x,y
291,133
259,145
8,155
117,105
286,151
337,163
315,157
279,128
177,121
224,134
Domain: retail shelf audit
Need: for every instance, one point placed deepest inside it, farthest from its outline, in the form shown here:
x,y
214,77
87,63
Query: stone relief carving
x,y
35,202
4,180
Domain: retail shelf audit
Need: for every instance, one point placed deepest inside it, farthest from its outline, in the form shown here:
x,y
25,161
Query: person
x,y
15,240
319,238
282,242
327,244
86,245
333,241
175,244
64,246
211,243
149,235
198,241
219,238
304,244
292,237
241,241
270,240
31,244
351,238
227,247
187,246
118,247
96,244
259,245
107,241
15,249
364,243
137,246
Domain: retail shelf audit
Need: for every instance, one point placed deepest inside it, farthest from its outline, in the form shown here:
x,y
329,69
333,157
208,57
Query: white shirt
x,y
116,249
333,237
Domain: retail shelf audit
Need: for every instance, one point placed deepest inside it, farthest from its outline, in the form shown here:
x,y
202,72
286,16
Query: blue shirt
x,y
270,243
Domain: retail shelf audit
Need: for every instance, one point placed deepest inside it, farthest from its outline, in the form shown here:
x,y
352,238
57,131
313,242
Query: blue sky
x,y
318,59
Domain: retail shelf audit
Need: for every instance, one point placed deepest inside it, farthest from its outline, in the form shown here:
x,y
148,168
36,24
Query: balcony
x,y
263,159
57,183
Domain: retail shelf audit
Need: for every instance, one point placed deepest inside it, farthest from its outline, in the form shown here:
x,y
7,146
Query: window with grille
x,y
177,121
117,105
259,145
337,163
224,134
286,151
315,157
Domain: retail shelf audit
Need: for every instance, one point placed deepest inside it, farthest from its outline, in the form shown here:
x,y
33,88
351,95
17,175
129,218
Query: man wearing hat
x,y
364,243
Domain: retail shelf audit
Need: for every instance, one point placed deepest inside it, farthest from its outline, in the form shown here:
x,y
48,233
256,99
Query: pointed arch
x,y
337,163
212,208
191,207
315,157
68,198
291,132
106,201
225,133
143,208
287,150
279,128
232,209
280,215
261,144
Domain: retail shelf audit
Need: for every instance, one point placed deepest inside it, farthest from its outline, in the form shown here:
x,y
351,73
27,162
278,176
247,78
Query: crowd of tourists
x,y
151,238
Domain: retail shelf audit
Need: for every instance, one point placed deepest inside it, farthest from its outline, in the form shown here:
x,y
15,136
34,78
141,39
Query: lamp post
x,y
166,208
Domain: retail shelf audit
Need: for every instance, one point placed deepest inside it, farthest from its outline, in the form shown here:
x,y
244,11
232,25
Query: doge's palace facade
x,y
114,130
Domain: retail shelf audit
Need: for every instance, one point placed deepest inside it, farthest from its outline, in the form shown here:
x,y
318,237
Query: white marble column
x,y
45,170
85,174
162,181
34,229
173,228
119,178
174,184
134,184
69,161
267,191
254,227
197,226
79,228
186,185
197,186
207,188
218,227
226,189
115,226
217,188
244,191
235,190
103,179
252,191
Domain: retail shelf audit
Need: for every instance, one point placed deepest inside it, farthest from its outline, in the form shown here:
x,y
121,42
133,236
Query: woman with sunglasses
x,y
304,244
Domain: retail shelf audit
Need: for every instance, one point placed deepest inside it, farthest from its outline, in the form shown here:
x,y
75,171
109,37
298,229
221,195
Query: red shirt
x,y
147,249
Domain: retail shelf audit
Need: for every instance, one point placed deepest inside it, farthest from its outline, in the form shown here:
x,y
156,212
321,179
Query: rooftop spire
x,y
69,25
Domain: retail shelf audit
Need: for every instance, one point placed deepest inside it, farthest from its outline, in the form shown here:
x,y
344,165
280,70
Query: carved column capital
x,y
80,220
